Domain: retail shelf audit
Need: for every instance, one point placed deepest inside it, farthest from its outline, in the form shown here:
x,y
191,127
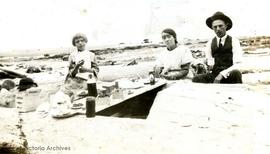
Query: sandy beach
x,y
133,111
114,65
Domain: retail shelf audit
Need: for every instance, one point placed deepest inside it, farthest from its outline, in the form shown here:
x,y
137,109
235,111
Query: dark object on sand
x,y
133,62
90,107
46,55
46,68
65,58
26,83
4,75
9,73
109,62
199,68
33,69
8,84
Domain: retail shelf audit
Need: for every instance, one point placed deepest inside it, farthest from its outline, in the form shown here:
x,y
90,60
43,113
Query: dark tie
x,y
220,44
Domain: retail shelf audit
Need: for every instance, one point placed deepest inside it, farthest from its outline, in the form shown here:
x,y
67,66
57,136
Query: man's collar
x,y
222,39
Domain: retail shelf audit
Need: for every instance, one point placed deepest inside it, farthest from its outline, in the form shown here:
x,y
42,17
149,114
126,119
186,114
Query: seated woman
x,y
81,60
172,64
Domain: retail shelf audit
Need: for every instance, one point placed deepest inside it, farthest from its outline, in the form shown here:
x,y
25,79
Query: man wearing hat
x,y
223,53
173,63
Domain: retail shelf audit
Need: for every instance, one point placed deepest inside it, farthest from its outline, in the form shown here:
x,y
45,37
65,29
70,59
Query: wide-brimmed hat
x,y
221,16
26,83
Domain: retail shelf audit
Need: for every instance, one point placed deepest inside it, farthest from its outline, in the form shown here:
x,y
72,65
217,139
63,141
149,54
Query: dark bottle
x,y
151,78
90,106
92,86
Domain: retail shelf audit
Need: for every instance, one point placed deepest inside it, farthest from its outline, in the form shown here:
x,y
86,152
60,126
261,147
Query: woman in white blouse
x,y
173,63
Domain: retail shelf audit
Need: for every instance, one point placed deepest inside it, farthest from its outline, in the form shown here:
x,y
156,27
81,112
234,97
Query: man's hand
x,y
218,78
209,68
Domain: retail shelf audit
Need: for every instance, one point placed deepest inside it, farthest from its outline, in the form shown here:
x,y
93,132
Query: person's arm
x,y
237,58
74,69
159,66
185,59
208,55
71,67
178,73
94,66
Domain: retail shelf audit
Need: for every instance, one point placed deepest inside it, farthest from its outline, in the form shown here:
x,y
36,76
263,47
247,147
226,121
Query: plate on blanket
x,y
65,114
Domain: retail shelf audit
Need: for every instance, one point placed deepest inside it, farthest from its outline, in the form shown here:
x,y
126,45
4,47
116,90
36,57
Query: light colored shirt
x,y
175,58
236,50
85,55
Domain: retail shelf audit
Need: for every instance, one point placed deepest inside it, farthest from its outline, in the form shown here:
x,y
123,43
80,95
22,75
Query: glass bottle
x,y
92,86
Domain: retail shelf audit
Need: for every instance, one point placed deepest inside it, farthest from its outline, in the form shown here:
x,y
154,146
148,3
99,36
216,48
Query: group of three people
x,y
223,54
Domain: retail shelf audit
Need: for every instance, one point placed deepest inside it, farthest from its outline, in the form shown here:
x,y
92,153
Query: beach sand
x,y
136,135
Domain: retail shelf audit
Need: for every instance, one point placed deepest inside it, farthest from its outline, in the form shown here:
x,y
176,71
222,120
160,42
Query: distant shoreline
x,y
68,50
251,41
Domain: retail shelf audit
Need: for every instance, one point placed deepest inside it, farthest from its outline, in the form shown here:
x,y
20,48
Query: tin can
x,y
90,107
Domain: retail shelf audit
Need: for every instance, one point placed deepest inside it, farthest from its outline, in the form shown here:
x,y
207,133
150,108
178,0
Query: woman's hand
x,y
218,78
80,63
157,71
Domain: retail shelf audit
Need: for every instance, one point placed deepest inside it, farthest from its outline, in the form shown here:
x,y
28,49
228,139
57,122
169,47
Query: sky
x,y
38,24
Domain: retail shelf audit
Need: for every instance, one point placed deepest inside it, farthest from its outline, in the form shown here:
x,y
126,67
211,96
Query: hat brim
x,y
225,18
